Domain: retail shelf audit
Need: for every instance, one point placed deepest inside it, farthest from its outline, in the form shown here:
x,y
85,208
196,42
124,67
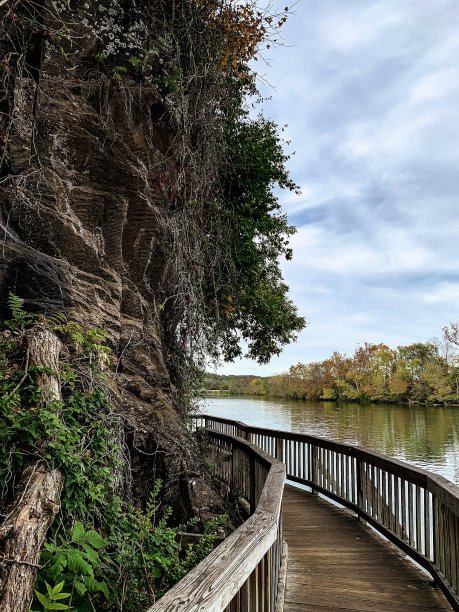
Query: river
x,y
427,437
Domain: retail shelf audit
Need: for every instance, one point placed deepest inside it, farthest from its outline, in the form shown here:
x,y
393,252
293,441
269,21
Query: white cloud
x,y
445,293
370,90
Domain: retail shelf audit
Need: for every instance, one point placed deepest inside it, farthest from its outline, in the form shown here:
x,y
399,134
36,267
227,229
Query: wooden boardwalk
x,y
336,563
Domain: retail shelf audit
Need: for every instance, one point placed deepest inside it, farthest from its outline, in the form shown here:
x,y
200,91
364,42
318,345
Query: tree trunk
x,y
37,501
24,532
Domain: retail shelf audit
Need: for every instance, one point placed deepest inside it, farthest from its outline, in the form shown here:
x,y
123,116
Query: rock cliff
x,y
85,203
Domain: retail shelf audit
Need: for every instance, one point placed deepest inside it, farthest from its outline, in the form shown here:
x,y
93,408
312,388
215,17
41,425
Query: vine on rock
x,y
101,552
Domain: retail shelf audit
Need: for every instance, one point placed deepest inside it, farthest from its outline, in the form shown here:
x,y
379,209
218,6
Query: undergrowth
x,y
102,552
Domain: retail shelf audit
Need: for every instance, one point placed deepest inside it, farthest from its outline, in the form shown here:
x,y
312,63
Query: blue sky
x,y
370,92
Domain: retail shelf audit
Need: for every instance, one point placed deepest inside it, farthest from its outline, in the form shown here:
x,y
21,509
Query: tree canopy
x,y
253,298
418,372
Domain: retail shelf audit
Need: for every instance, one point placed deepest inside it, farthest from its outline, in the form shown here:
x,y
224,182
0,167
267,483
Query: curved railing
x,y
415,509
242,573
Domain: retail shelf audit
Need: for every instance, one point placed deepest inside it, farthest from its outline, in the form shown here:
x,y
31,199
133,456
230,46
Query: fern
x,y
16,305
21,319
55,320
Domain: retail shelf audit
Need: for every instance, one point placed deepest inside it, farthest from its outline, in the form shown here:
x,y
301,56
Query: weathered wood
x,y
418,519
427,524
240,563
336,563
37,502
44,348
281,578
448,492
411,514
413,508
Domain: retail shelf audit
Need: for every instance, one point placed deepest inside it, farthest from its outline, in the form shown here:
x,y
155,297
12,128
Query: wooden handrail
x,y
241,574
414,508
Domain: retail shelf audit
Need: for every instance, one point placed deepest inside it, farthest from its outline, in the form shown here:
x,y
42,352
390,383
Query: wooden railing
x,y
242,573
415,509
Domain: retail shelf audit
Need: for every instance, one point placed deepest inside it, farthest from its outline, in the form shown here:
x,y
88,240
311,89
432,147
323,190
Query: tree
x,y
451,346
415,357
252,297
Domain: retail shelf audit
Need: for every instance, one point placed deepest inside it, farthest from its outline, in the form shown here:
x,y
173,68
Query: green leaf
x,y
59,563
49,589
78,533
58,606
42,599
80,587
91,554
93,538
156,572
57,589
94,586
58,596
78,565
103,588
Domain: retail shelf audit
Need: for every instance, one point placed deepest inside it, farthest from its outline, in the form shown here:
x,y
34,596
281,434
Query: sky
x,y
369,90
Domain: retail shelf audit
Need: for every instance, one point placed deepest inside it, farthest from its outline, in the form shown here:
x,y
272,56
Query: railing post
x,y
252,484
359,470
232,468
280,449
244,596
314,451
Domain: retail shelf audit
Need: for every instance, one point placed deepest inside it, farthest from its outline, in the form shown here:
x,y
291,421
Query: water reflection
x,y
424,436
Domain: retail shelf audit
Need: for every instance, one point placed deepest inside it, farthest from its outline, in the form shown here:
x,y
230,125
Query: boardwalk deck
x,y
335,563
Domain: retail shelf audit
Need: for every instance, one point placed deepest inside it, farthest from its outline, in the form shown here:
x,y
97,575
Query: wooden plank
x,y
451,552
377,577
397,500
369,491
315,464
253,594
427,525
411,512
403,522
301,460
441,539
418,519
456,550
390,501
280,449
350,478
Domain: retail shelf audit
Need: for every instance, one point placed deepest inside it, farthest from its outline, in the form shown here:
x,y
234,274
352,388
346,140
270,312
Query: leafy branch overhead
x,y
228,231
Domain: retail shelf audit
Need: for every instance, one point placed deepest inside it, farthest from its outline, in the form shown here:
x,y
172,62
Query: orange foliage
x,y
241,29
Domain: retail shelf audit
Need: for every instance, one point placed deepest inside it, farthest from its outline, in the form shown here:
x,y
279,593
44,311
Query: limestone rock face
x,y
85,207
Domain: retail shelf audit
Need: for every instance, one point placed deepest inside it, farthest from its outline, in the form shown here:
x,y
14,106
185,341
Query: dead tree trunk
x,y
24,530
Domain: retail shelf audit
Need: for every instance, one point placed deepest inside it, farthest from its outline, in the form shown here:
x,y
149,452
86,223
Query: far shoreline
x,y
229,395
